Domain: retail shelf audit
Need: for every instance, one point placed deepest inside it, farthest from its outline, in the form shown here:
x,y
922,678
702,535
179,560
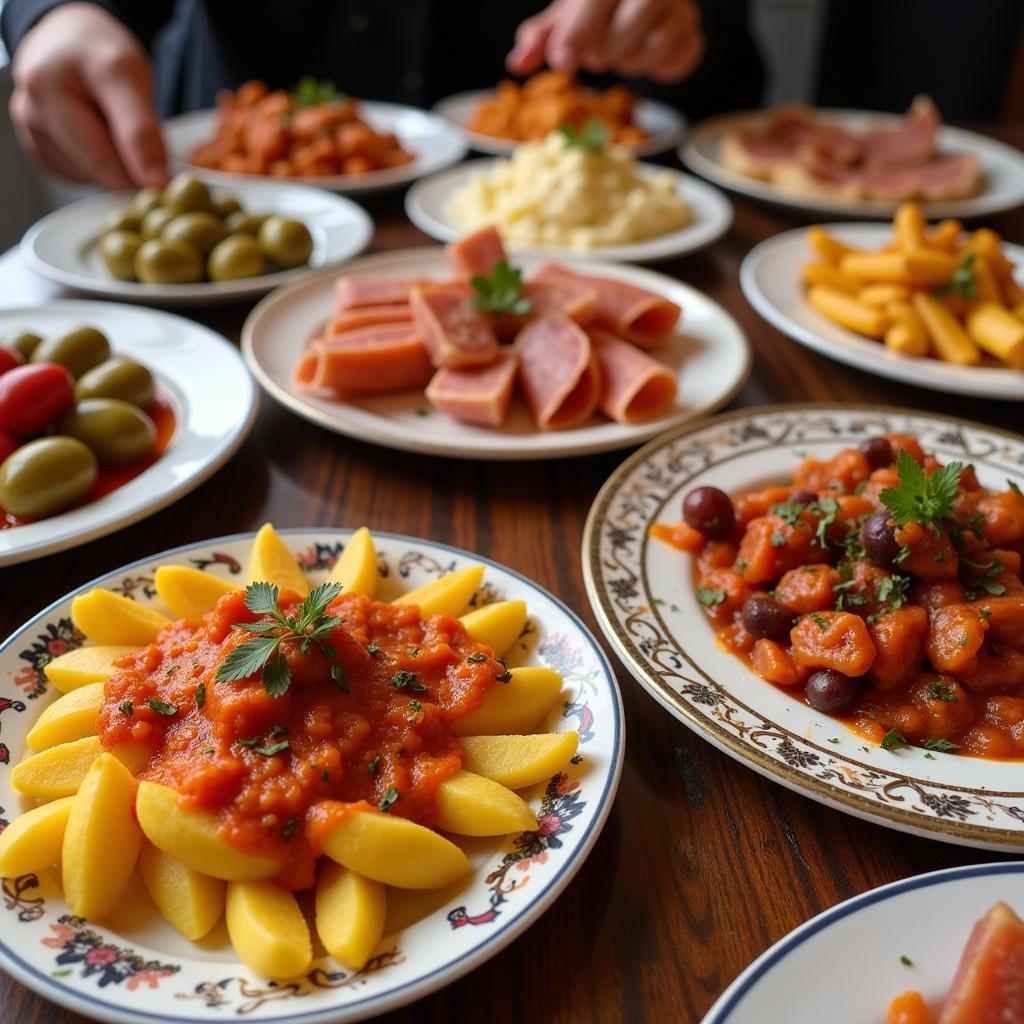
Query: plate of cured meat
x,y
856,163
462,351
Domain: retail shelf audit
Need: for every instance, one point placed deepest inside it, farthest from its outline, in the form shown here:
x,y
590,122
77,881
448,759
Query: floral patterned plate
x,y
134,969
642,596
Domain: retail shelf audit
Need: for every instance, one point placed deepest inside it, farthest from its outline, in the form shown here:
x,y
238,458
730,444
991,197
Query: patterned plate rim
x,y
440,977
914,822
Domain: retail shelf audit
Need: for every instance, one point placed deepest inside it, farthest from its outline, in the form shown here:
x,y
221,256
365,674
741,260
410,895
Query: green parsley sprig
x,y
501,291
962,283
918,498
592,137
311,92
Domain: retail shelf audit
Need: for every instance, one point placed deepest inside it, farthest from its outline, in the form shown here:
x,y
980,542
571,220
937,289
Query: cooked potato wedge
x,y
68,718
497,625
188,592
267,929
356,569
470,805
191,901
350,912
518,761
85,665
32,842
448,595
108,618
272,562
513,707
57,771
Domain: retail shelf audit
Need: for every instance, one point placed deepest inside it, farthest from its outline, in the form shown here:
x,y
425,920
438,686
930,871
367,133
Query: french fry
x,y
901,339
848,312
830,276
830,249
985,280
880,295
948,338
1013,294
926,267
986,242
945,235
909,226
998,332
913,337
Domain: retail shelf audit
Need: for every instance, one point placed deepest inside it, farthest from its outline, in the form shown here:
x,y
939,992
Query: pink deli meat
x,y
476,253
479,395
635,387
454,333
558,371
354,292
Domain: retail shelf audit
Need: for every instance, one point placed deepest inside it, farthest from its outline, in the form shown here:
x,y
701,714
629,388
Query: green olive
x,y
236,257
124,219
185,193
118,377
146,199
45,476
21,341
287,242
117,432
242,223
200,229
160,262
79,350
155,221
117,250
224,206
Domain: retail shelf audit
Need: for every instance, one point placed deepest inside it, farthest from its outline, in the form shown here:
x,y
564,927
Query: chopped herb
x,y
127,708
415,706
501,291
276,730
250,742
906,961
833,739
1013,485
162,708
404,679
872,619
893,739
931,757
659,600
941,691
740,564
789,511
289,828
778,539
373,765
829,508
861,486
593,137
414,652
942,745
977,525
903,555
477,658
209,750
963,641
505,676
918,498
892,590
819,620
275,748
373,650
962,283
388,799
340,677
171,669
708,598
311,92
421,410
985,613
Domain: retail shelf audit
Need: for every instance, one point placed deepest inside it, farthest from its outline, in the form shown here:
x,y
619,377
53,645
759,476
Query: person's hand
x,y
658,39
82,102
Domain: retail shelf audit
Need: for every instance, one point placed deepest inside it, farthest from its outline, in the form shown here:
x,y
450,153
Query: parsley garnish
x,y
892,590
309,625
373,650
162,708
127,708
708,597
828,507
906,961
310,92
477,658
289,828
942,745
893,739
275,748
373,765
505,676
962,283
388,799
209,750
931,757
200,695
415,706
404,679
340,677
778,539
941,691
1013,485
918,498
594,136
819,620
501,290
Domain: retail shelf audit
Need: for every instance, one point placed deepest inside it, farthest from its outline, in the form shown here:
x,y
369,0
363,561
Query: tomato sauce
x,y
273,768
162,412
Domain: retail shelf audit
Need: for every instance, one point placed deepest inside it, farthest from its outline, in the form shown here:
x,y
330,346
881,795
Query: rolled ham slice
x,y
355,292
454,333
558,371
635,387
573,299
476,253
367,316
479,395
639,316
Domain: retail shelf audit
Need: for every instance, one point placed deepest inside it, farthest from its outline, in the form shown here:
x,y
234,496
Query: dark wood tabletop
x,y
703,863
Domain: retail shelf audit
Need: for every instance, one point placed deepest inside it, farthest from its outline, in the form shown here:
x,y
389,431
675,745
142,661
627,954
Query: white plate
x,y
1002,167
426,204
770,278
844,966
663,125
63,245
430,137
710,356
642,594
137,971
215,409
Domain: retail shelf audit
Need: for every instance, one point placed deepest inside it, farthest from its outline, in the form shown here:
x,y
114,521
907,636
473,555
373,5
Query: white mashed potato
x,y
553,194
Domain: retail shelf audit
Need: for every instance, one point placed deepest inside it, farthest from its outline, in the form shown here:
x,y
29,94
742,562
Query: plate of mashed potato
x,y
570,194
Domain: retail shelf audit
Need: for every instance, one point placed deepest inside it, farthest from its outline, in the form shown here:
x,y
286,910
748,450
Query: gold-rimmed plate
x,y
642,595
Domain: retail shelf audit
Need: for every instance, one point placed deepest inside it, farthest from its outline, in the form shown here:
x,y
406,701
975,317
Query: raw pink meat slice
x,y
635,387
454,333
476,253
354,291
478,395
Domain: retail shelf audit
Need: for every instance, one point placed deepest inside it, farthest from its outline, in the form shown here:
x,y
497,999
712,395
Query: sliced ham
x,y
572,298
635,387
989,983
951,177
912,143
476,253
639,316
354,292
478,395
389,357
366,316
558,371
454,333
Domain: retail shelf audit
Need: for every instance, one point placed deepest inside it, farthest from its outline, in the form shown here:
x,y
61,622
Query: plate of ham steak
x,y
858,164
943,948
469,353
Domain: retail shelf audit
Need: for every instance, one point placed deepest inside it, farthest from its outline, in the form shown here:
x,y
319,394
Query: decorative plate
x,y
426,204
136,969
215,410
908,935
436,144
1002,168
770,278
664,125
710,355
642,596
63,245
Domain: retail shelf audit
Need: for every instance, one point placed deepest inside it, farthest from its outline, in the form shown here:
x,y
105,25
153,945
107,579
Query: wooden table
x,y
703,863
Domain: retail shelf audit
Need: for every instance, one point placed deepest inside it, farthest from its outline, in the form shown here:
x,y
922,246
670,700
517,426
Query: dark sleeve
x,y
144,19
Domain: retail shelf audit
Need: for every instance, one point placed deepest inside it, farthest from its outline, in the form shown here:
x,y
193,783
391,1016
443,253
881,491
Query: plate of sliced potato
x,y
311,776
933,306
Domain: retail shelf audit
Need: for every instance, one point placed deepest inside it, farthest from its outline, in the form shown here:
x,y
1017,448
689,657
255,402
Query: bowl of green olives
x,y
190,243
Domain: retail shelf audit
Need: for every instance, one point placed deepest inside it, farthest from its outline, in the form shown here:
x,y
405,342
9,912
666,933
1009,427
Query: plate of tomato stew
x,y
201,419
848,617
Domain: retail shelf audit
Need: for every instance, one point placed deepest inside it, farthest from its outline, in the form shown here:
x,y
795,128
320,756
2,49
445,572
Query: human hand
x,y
82,103
658,39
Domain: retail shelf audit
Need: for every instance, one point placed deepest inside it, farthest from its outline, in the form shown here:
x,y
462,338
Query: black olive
x,y
829,690
878,451
802,497
709,510
766,618
878,538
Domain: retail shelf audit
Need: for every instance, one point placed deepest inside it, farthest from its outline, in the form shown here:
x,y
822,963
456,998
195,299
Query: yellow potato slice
x,y
133,755
272,562
470,805
101,841
192,837
85,665
190,593
267,929
513,707
57,771
191,901
408,906
356,570
32,842
350,912
394,851
518,761
448,595
497,625
68,718
108,618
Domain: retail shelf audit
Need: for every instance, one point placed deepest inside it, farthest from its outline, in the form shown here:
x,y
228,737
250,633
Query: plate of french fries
x,y
931,305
